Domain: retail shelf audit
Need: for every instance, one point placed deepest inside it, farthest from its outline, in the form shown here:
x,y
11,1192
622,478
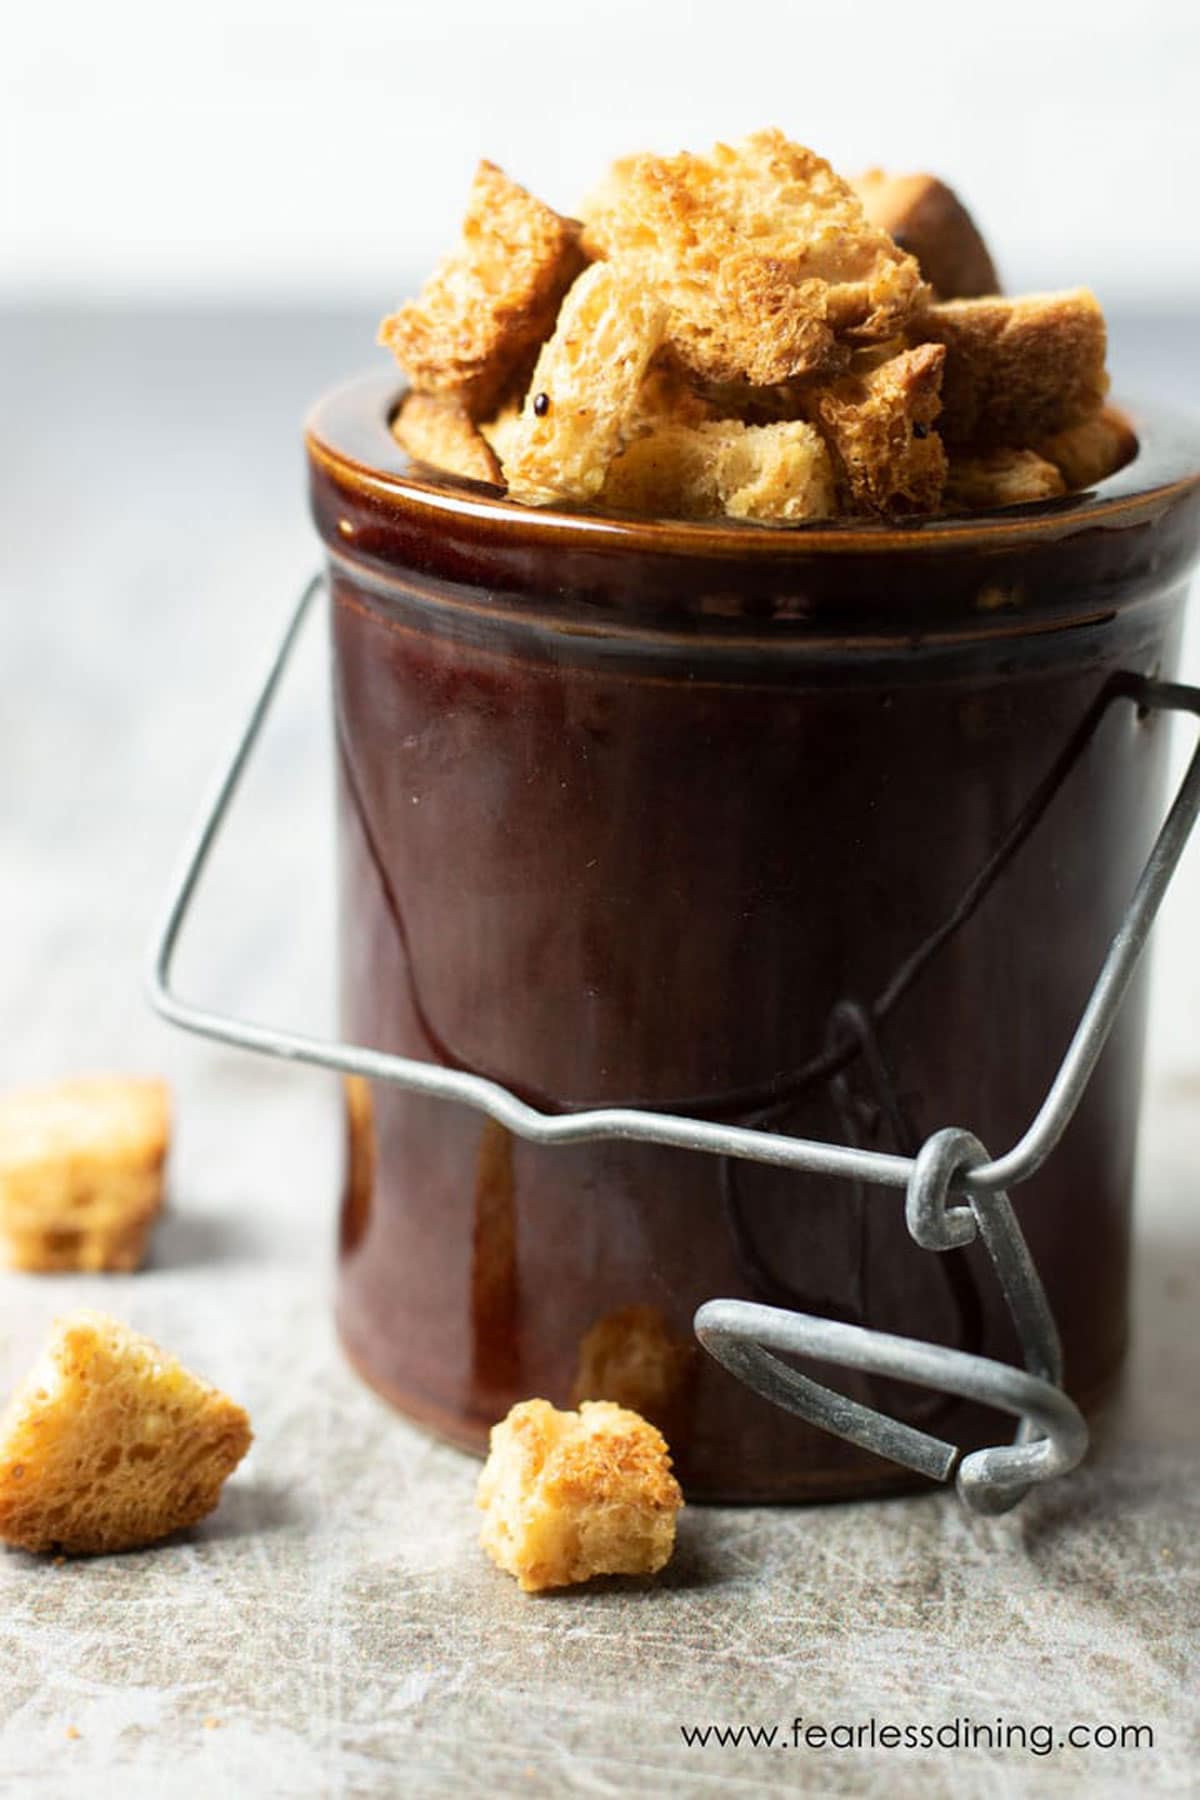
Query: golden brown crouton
x,y
633,1358
1087,453
498,432
880,428
926,218
437,430
778,474
1000,478
579,411
81,1172
569,1495
763,254
1017,369
475,327
667,394
110,1444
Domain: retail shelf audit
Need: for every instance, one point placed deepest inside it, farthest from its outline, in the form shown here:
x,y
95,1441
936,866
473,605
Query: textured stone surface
x,y
333,1628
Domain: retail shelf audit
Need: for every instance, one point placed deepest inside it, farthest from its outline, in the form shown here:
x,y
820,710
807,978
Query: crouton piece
x,y
1017,370
476,325
498,433
633,1358
880,428
926,218
110,1444
668,394
81,1172
437,430
1087,453
579,411
1000,478
778,474
569,1495
762,252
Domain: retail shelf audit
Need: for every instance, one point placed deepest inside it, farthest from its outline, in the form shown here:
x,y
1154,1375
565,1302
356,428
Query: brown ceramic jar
x,y
628,812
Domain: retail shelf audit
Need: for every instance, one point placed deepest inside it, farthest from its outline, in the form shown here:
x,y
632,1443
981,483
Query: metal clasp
x,y
954,1189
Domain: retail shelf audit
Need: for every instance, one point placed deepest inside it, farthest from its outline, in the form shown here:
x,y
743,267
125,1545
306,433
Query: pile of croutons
x,y
746,335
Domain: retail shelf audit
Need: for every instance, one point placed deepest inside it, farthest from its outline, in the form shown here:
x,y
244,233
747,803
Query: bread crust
x,y
879,426
1087,453
475,327
925,217
581,407
763,254
570,1495
81,1172
776,474
1017,369
1000,477
499,432
110,1444
437,429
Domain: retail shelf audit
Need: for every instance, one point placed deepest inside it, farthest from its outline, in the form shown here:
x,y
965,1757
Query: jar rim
x,y
348,434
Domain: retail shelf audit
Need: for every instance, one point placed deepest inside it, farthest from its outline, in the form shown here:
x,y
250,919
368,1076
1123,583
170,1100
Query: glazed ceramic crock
x,y
630,813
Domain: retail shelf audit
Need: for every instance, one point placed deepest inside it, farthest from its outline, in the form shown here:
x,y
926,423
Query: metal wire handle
x,y
954,1189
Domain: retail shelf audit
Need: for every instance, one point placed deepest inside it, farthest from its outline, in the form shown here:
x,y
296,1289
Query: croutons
x,y
499,432
110,1444
437,429
926,218
1017,369
570,1495
1087,453
81,1172
583,395
779,473
475,327
1001,478
756,340
879,426
763,254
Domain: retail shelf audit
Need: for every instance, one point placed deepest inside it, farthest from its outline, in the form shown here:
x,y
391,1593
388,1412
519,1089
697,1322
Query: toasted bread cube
x,y
880,428
475,327
925,217
1087,453
668,395
1020,369
569,1495
81,1172
582,400
110,1444
763,254
499,432
777,474
1001,478
436,429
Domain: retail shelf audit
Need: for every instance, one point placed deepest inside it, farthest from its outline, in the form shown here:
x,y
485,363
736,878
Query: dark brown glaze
x,y
628,812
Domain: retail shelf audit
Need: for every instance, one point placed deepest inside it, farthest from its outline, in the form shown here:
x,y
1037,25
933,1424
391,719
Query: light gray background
x,y
287,149
335,1617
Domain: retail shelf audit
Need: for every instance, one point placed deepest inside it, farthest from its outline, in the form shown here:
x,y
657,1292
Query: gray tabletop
x,y
333,1629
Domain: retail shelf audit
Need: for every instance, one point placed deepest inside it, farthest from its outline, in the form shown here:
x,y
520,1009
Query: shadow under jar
x,y
694,817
